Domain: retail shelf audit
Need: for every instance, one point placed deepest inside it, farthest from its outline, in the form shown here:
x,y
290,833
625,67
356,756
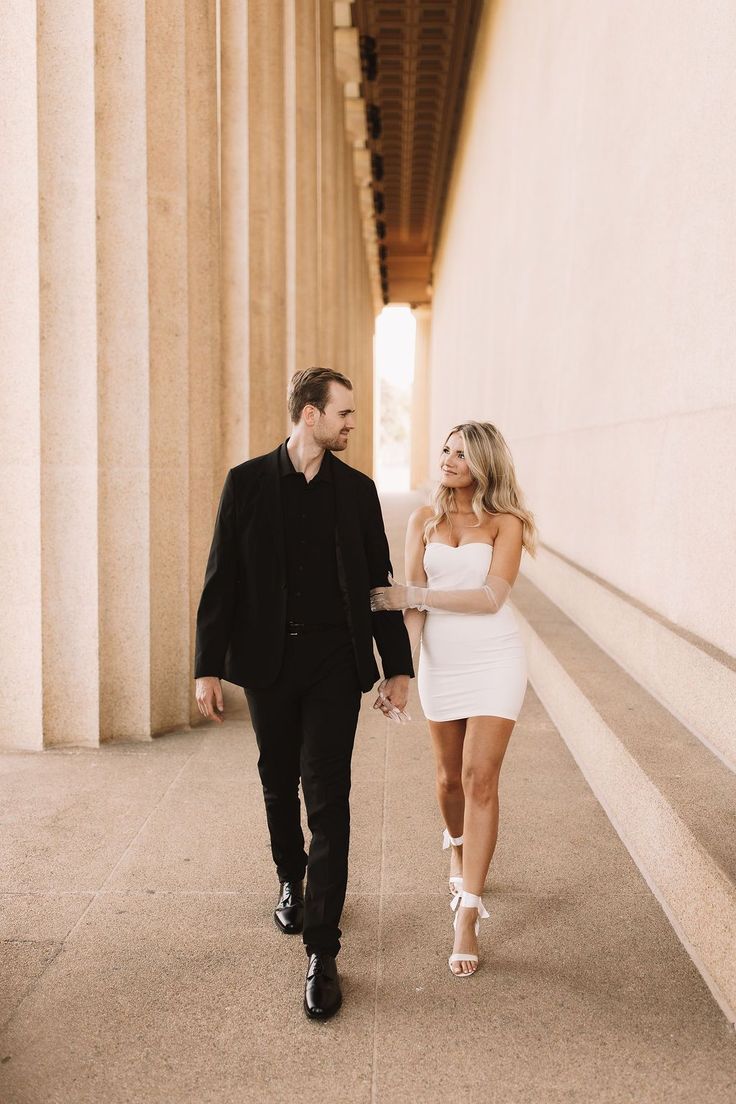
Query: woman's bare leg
x,y
447,740
486,740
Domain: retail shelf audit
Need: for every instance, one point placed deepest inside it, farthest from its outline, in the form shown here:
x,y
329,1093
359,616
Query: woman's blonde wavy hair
x,y
496,489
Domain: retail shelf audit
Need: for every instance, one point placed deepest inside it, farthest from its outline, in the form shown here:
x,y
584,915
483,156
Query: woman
x,y
462,558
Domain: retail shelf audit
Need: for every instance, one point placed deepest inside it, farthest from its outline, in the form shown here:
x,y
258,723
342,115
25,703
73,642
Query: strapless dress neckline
x,y
456,547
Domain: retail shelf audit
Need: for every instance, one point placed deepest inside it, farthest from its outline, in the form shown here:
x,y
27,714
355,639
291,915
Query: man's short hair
x,y
312,388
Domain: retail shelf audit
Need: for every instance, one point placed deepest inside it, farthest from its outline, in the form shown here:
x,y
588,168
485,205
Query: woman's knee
x,y
449,782
481,786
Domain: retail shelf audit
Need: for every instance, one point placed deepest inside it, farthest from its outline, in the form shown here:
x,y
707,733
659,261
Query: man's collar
x,y
287,468
285,465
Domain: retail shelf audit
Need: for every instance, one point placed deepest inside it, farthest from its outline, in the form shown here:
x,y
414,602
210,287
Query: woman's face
x,y
454,470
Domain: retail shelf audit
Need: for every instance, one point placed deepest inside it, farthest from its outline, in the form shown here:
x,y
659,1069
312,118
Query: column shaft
x,y
69,550
303,155
235,282
20,478
356,337
123,397
166,115
344,188
267,226
203,277
329,245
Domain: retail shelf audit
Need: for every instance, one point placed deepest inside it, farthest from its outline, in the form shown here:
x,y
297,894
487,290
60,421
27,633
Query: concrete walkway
x,y
140,962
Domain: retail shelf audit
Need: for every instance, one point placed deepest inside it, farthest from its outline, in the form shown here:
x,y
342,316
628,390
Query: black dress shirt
x,y
313,595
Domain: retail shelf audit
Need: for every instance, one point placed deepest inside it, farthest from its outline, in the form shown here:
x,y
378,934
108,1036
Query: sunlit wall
x,y
585,287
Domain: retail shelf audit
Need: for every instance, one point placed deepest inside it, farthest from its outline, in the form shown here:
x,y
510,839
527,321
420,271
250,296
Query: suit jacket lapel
x,y
346,518
346,527
271,499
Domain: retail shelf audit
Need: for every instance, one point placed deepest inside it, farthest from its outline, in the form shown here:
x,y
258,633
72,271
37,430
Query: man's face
x,y
333,425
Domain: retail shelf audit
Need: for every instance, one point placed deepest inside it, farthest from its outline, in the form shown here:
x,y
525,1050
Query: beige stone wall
x,y
585,287
182,211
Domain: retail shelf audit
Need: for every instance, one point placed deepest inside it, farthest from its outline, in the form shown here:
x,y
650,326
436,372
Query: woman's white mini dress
x,y
471,664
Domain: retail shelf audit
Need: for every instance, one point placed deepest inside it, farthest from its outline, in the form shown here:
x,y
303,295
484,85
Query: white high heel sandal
x,y
455,880
467,900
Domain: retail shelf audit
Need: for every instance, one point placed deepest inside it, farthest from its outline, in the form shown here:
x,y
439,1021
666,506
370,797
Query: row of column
x,y
285,149
185,231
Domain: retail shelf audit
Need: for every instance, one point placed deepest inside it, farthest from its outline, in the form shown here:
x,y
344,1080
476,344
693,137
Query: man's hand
x,y
393,694
209,698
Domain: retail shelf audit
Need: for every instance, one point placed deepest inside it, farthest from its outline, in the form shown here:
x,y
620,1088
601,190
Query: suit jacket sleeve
x,y
217,604
388,628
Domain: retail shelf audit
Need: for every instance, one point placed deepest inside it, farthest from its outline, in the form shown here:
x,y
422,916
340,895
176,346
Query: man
x,y
285,612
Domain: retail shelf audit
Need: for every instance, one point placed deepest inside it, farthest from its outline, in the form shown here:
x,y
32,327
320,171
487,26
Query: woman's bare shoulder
x,y
508,524
420,516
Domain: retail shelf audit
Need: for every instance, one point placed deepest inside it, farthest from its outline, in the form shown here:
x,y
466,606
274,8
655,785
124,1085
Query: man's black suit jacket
x,y
241,620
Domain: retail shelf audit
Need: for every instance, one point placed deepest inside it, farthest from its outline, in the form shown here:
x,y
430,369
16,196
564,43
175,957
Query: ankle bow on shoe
x,y
469,900
455,880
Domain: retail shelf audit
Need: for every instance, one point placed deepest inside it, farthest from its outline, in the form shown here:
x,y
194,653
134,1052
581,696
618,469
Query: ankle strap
x,y
447,839
469,900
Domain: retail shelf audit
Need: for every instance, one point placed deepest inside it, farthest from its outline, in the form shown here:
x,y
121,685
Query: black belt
x,y
298,628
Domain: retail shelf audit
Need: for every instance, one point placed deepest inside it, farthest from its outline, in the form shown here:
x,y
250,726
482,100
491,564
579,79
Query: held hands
x,y
393,694
208,692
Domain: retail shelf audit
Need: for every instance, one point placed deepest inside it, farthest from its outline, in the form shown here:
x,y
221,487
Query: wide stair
x,y
649,714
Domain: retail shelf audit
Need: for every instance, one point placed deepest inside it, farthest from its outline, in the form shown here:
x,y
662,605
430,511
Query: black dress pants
x,y
305,727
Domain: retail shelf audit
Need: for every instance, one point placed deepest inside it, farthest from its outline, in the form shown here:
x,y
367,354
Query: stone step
x,y
672,801
693,679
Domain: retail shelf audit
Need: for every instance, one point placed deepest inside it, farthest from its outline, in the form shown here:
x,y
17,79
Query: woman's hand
x,y
395,597
388,598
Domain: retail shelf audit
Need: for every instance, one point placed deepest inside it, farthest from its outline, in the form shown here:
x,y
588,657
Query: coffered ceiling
x,y
415,58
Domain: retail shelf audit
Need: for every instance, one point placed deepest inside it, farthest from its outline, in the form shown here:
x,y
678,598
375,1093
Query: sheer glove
x,y
414,623
486,599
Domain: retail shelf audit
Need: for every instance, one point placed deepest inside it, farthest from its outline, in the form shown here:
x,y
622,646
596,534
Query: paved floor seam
x,y
94,894
58,947
100,891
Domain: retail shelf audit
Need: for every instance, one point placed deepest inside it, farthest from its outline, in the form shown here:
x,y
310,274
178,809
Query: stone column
x,y
368,330
360,338
21,716
203,280
343,231
330,117
123,398
234,397
420,443
352,246
290,175
302,132
168,263
267,226
68,378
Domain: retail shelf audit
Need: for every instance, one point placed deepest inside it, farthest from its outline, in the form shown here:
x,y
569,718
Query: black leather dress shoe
x,y
322,996
289,911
